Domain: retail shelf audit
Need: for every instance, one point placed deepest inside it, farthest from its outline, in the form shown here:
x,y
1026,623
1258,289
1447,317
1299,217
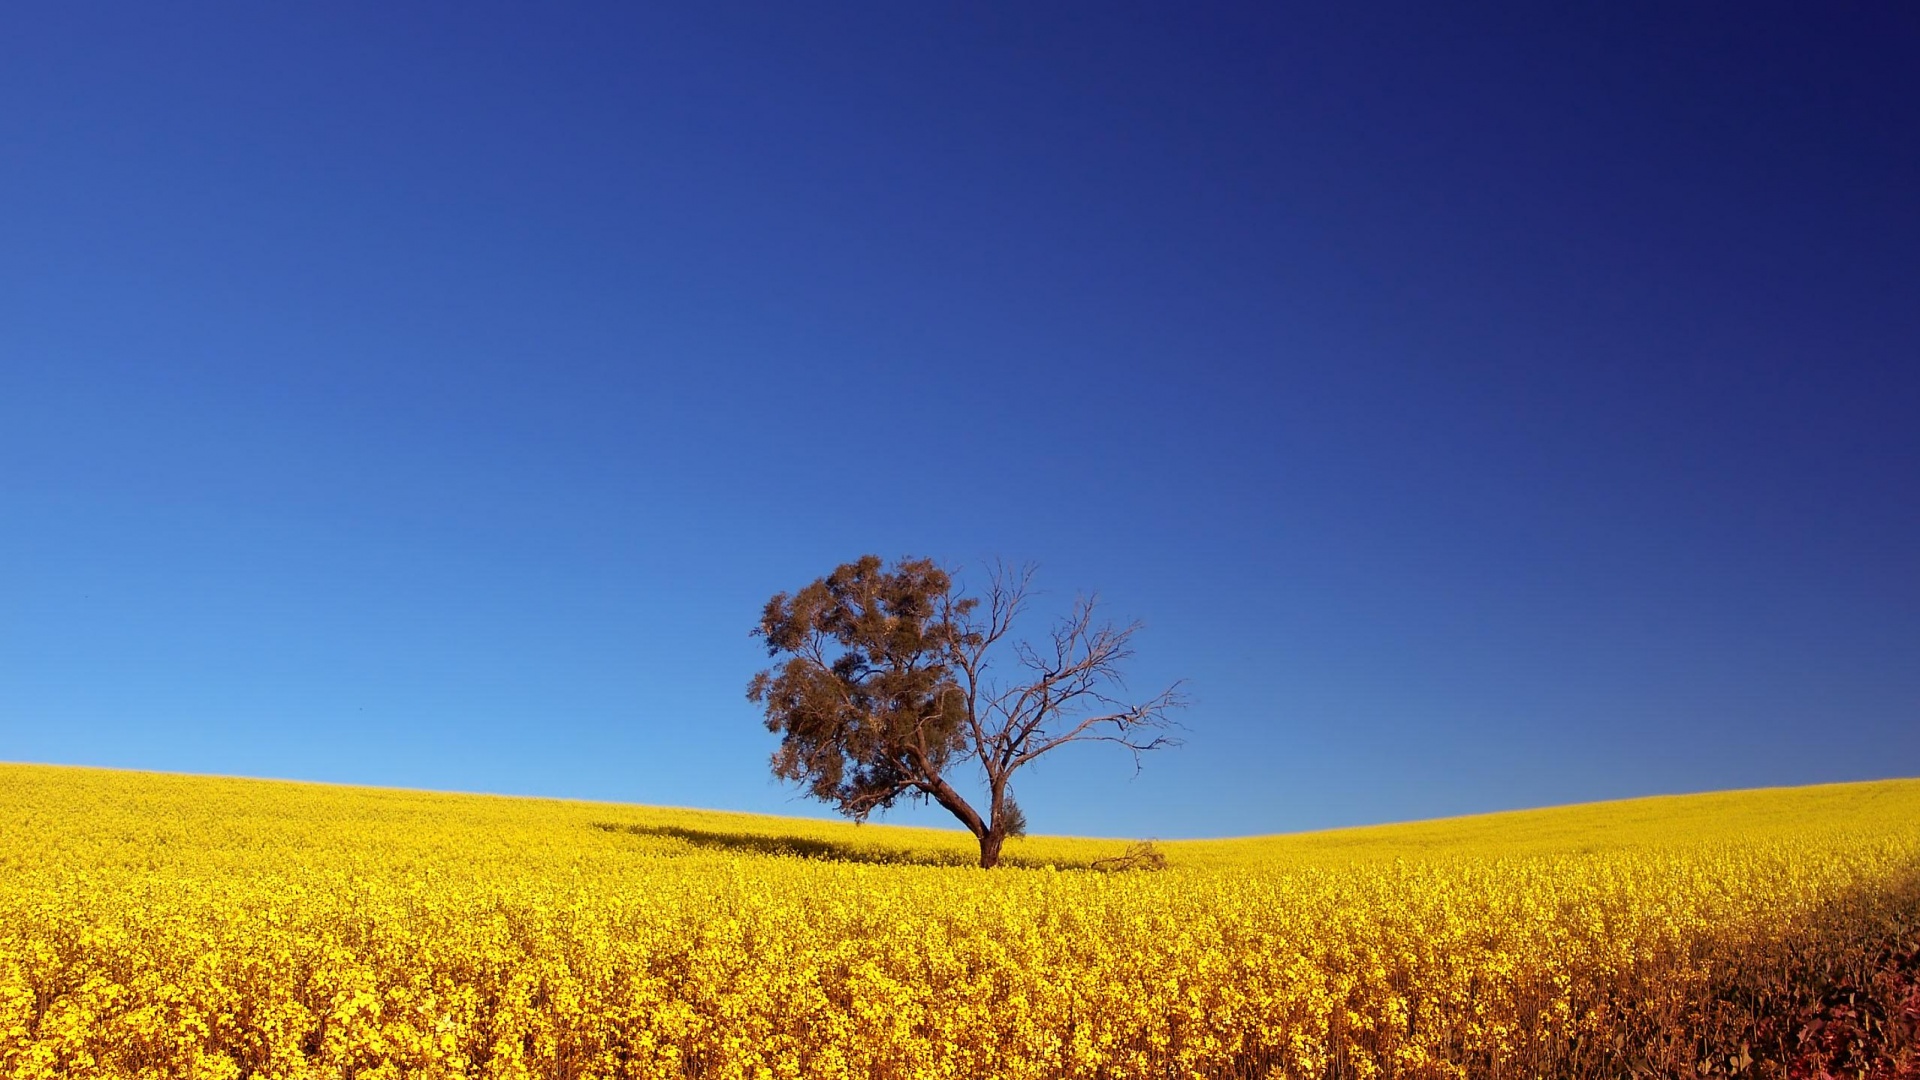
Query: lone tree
x,y
885,690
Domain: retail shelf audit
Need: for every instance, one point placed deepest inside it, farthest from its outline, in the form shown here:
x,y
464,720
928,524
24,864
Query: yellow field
x,y
157,925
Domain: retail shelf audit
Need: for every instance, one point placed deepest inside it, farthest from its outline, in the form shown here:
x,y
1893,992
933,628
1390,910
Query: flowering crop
x,y
166,926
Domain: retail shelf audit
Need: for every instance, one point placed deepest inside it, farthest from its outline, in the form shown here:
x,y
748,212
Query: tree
x,y
885,690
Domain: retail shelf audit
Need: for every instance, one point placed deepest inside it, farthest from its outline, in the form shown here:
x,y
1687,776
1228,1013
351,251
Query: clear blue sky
x,y
1482,408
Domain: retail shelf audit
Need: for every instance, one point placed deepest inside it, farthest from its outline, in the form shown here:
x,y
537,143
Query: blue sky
x,y
1490,408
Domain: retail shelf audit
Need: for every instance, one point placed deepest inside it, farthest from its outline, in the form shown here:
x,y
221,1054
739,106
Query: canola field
x,y
170,926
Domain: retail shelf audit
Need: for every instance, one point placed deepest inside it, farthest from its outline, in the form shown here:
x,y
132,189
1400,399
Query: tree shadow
x,y
811,848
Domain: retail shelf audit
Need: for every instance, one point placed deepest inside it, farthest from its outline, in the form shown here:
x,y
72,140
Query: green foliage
x,y
867,703
1011,821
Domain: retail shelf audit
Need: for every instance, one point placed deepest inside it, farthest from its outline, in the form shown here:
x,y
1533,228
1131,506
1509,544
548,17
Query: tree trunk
x,y
995,833
990,843
950,799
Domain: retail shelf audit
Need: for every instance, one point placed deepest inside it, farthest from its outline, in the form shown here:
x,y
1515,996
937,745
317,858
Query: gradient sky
x,y
1482,408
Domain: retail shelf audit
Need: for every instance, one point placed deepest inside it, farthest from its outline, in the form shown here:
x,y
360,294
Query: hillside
x,y
159,925
223,819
